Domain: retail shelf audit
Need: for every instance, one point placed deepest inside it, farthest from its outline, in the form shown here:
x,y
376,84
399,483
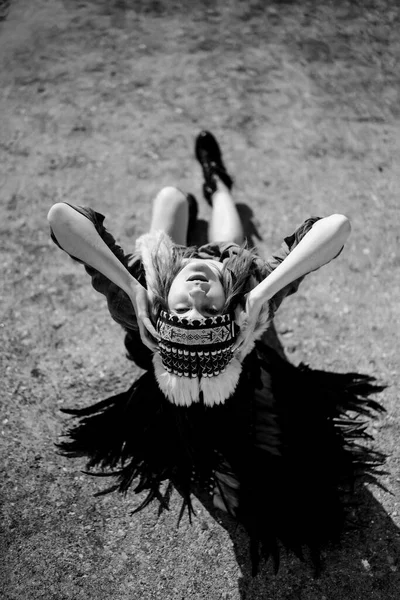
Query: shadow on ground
x,y
366,555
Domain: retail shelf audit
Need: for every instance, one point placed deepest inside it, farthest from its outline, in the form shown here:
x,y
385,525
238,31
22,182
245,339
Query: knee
x,y
170,195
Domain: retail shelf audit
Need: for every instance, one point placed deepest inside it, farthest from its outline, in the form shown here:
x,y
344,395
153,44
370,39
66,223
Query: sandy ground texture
x,y
100,104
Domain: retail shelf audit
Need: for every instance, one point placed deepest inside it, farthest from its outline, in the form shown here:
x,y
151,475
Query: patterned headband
x,y
195,361
196,348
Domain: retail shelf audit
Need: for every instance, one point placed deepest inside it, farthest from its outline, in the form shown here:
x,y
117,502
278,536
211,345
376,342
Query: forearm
x,y
78,236
319,246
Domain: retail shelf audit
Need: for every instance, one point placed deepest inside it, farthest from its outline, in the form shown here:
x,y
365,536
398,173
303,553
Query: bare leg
x,y
171,214
225,224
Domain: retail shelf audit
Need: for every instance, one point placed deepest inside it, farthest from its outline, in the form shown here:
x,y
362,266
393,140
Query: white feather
x,y
252,328
219,388
145,246
182,391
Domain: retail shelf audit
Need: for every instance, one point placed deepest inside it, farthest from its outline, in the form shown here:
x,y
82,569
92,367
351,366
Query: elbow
x,y
341,227
57,214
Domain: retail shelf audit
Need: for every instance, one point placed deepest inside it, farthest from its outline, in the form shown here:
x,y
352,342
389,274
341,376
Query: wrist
x,y
256,299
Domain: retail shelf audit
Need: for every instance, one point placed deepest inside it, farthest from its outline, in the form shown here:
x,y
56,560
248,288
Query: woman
x,y
217,411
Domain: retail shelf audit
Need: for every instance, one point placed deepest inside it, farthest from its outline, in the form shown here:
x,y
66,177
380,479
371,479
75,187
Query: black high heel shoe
x,y
209,155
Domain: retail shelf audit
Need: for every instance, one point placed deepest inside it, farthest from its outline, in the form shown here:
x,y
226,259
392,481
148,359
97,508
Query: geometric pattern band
x,y
196,337
207,332
196,348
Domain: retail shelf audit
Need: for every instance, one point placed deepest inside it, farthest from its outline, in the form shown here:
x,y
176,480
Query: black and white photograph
x,y
200,299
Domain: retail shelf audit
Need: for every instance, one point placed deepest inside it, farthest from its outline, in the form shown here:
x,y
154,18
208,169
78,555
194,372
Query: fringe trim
x,y
184,391
219,388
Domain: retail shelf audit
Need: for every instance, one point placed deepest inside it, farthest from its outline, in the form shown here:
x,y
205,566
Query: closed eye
x,y
213,311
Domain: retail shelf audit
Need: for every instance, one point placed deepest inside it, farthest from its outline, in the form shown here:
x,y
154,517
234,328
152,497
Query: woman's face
x,y
197,291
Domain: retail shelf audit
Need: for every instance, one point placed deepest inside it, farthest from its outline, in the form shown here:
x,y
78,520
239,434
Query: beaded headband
x,y
195,359
194,348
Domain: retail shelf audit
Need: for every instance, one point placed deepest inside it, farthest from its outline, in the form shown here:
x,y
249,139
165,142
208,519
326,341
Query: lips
x,y
197,277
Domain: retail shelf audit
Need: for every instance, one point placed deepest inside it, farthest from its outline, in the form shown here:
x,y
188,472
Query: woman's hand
x,y
250,312
140,301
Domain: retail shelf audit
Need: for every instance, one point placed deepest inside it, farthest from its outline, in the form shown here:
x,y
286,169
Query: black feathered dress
x,y
289,436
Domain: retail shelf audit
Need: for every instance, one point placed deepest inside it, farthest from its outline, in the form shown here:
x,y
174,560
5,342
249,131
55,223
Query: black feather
x,y
294,438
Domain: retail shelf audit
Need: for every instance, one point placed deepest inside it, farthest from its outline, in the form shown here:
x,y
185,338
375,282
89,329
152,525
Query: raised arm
x,y
78,236
319,246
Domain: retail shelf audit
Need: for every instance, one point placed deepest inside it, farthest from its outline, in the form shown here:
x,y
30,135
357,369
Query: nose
x,y
199,291
195,313
198,298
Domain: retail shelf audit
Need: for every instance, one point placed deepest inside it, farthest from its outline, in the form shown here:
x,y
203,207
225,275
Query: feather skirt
x,y
292,437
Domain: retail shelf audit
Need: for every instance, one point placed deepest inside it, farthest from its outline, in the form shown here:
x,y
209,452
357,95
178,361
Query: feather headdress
x,y
195,361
